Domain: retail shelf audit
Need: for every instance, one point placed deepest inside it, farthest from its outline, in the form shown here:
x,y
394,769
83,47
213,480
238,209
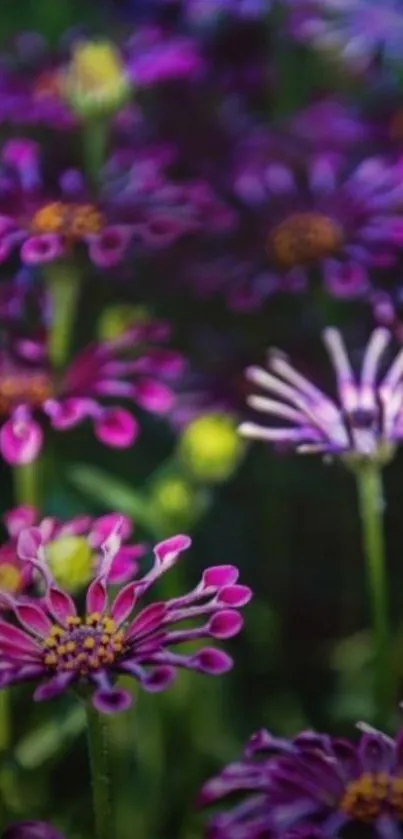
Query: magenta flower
x,y
128,367
365,423
58,648
155,56
77,542
311,787
47,221
318,211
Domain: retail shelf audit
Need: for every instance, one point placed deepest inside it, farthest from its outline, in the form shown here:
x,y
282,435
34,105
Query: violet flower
x,y
311,786
357,30
58,648
31,830
366,422
72,548
156,56
318,210
47,221
128,367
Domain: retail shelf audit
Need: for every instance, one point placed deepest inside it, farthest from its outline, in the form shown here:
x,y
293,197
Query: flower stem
x,y
370,492
95,139
98,743
63,284
27,485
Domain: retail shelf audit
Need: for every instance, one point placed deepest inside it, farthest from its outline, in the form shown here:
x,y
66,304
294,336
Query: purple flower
x,y
318,210
31,830
127,367
329,123
58,648
357,30
312,786
72,548
365,423
155,56
47,221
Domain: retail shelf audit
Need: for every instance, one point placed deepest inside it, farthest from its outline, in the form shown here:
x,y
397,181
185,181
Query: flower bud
x,y
211,448
71,561
95,83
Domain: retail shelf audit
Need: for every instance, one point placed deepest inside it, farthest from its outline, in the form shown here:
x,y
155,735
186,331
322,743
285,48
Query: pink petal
x,y
211,661
159,679
117,428
234,595
54,687
29,543
225,624
153,396
33,618
60,604
69,412
167,551
96,599
150,618
20,441
125,564
104,525
17,637
19,518
220,575
124,603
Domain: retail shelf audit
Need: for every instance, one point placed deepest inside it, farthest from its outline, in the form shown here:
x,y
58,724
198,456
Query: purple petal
x,y
19,518
39,249
211,661
234,595
149,619
111,701
60,604
96,599
159,679
108,249
124,603
20,441
153,396
33,618
167,551
54,687
225,624
31,830
117,428
219,576
29,543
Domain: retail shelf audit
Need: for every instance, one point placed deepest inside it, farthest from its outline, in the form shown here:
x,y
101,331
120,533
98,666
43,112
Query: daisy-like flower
x,y
365,423
129,367
318,211
46,221
59,648
329,123
72,549
312,786
356,30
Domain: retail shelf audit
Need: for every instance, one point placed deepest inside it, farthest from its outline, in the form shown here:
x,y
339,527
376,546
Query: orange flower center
x,y
72,221
86,644
304,238
31,388
373,794
47,85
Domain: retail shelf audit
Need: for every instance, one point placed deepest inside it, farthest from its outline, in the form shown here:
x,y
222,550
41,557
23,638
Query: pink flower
x,y
53,645
127,367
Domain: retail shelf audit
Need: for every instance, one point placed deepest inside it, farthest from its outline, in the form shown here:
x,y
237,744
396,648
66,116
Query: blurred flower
x,y
115,320
210,447
58,648
95,83
46,221
304,211
312,786
31,830
176,501
356,30
72,549
366,422
128,367
155,56
329,123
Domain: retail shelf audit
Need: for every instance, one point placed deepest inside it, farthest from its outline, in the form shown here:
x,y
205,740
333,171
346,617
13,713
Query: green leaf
x,y
46,740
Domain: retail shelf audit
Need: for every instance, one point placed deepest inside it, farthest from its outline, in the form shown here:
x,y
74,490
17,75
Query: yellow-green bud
x,y
95,83
116,319
10,577
211,448
71,561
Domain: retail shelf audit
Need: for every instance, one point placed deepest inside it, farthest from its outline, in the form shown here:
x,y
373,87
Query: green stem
x,y
95,140
63,284
27,488
98,743
370,492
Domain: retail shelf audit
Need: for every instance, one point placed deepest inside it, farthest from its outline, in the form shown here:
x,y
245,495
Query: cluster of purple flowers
x,y
182,172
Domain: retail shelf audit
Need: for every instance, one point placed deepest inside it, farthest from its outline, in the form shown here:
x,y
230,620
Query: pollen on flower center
x,y
31,388
304,238
72,221
372,795
84,646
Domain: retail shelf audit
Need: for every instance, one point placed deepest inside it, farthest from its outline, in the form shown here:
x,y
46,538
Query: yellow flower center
x,y
86,645
31,388
10,577
304,238
373,794
72,221
71,560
